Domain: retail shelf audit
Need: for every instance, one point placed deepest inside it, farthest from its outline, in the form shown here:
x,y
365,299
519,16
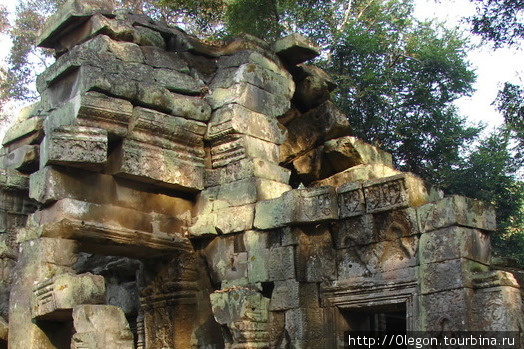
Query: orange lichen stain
x,y
61,288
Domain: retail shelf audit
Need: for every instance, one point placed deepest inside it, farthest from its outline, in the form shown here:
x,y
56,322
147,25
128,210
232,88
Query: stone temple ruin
x,y
167,193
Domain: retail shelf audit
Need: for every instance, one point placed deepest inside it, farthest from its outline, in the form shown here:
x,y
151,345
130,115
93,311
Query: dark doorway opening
x,y
372,321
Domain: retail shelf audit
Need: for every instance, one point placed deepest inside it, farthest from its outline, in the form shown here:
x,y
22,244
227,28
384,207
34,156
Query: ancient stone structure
x,y
168,193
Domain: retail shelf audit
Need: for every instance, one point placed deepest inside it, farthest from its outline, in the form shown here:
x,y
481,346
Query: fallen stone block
x,y
236,119
312,129
295,48
75,146
358,173
457,210
313,86
348,151
101,326
54,299
311,166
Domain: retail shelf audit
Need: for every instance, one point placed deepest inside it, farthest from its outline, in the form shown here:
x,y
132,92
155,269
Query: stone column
x,y
38,260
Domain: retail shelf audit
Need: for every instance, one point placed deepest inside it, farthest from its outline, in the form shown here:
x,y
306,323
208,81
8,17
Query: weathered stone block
x,y
316,258
151,164
448,275
158,58
355,231
31,128
396,224
447,311
54,299
311,166
70,15
290,294
295,49
169,132
94,223
246,168
93,109
258,265
497,309
348,151
162,99
248,191
351,200
236,119
176,81
241,147
24,158
148,37
358,173
235,219
350,265
395,192
226,263
455,242
4,330
282,263
248,56
297,206
256,75
13,180
54,183
101,326
251,97
76,146
313,128
304,324
456,210
224,221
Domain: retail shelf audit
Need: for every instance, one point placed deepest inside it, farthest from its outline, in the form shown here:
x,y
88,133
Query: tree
x,y
510,102
397,81
499,21
491,172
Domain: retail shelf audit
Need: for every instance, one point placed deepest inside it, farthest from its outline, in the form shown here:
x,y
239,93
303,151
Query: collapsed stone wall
x,y
170,193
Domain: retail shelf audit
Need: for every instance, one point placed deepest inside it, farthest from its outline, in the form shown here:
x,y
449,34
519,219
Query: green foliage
x,y
510,102
499,21
489,173
397,81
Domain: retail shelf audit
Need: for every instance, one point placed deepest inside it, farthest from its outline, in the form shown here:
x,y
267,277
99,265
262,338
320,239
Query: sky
x,y
493,67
